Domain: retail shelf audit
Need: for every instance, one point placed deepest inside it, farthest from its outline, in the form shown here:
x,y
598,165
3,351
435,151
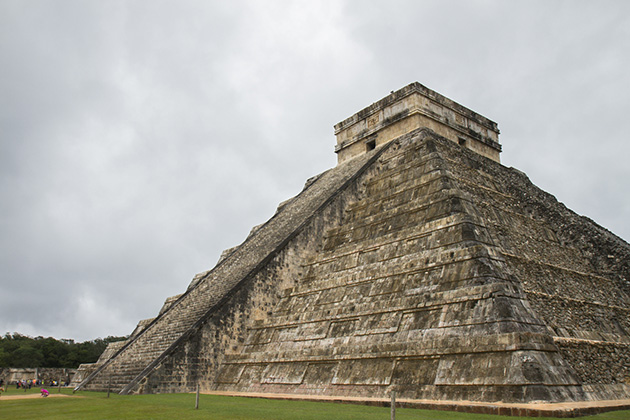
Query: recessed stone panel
x,y
380,323
364,372
332,295
286,334
415,372
342,328
420,320
320,373
284,373
252,374
312,331
230,374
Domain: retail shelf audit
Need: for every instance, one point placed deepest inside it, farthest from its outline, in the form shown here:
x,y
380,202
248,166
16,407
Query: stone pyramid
x,y
419,264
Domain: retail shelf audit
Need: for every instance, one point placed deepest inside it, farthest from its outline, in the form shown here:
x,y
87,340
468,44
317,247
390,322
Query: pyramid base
x,y
541,409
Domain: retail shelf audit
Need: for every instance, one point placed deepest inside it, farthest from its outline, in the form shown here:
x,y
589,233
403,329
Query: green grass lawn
x,y
96,405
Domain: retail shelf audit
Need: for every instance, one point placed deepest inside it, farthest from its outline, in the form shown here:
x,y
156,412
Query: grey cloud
x,y
139,139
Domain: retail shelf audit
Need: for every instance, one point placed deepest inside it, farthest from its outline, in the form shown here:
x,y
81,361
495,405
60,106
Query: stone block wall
x,y
408,109
574,273
11,375
407,293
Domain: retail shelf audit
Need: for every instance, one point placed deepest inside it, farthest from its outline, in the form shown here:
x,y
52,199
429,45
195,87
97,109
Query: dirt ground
x,y
28,396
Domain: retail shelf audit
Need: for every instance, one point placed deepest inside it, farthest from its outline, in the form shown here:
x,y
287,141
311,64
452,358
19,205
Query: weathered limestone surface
x,y
406,110
420,266
430,287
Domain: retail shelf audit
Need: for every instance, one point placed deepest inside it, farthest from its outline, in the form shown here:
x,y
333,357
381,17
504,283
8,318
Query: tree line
x,y
21,351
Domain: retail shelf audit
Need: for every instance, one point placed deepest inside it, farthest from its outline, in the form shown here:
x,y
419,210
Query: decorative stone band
x,y
412,107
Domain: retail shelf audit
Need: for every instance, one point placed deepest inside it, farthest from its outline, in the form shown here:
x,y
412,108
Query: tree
x,y
22,351
27,356
3,358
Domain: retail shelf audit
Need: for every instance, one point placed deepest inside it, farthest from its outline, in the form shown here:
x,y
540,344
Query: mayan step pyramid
x,y
419,264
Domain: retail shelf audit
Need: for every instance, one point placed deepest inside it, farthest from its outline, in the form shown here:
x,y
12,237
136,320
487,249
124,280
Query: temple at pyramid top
x,y
407,109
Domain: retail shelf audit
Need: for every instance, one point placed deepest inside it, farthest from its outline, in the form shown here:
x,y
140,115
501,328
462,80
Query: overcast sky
x,y
138,139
